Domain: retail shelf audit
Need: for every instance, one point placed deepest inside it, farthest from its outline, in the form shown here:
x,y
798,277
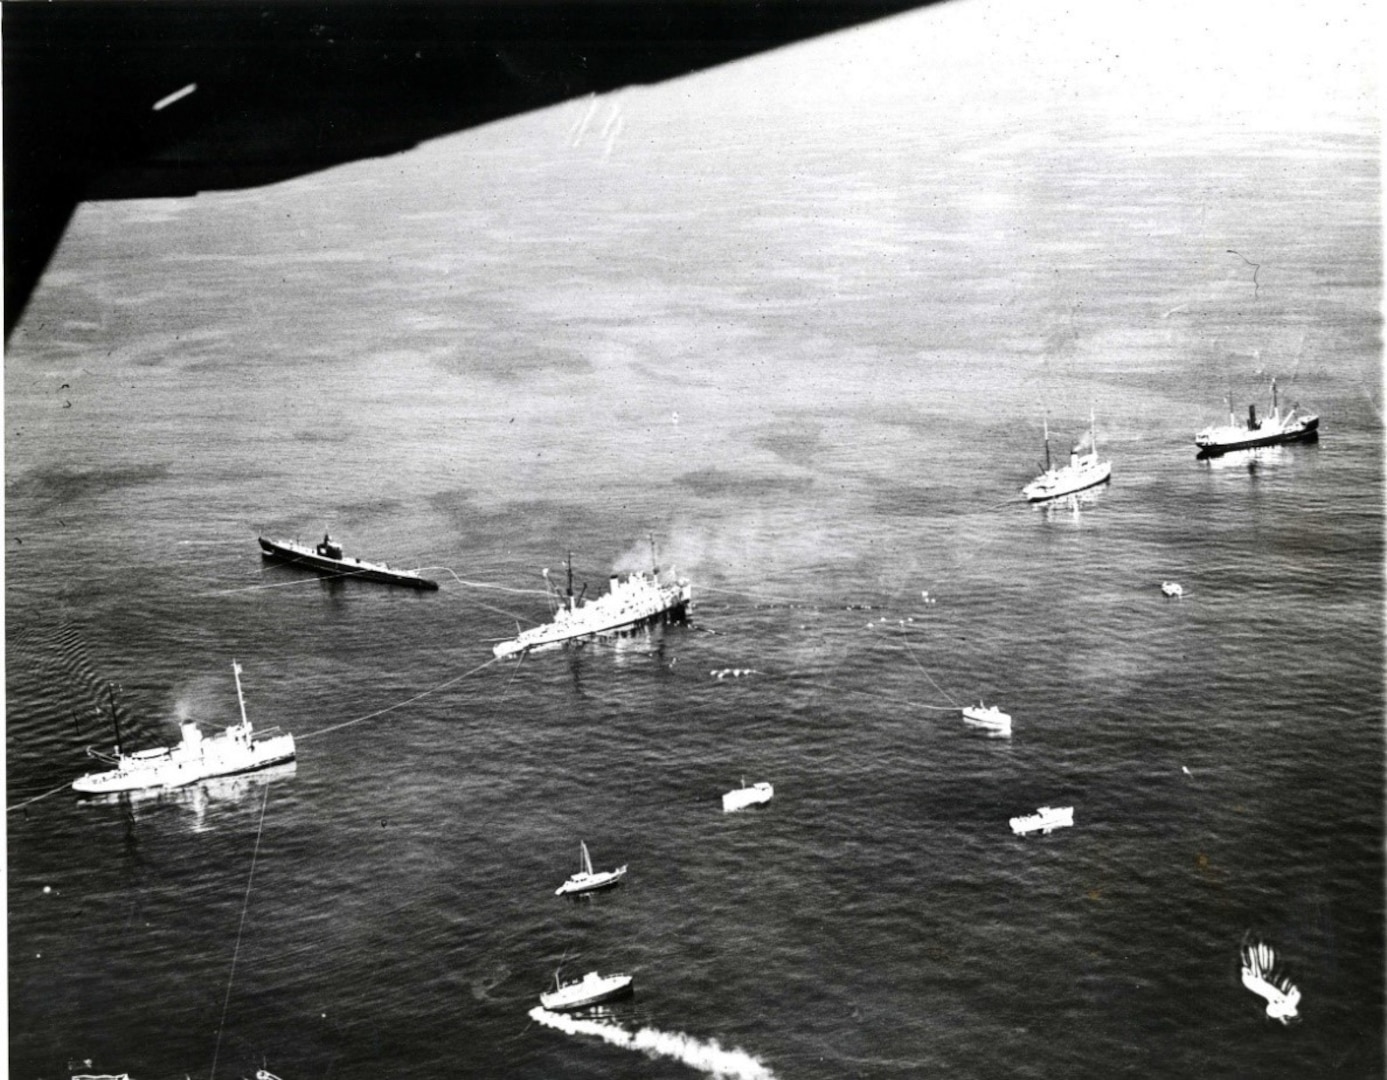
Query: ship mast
x,y
1092,434
570,581
1047,444
115,722
236,670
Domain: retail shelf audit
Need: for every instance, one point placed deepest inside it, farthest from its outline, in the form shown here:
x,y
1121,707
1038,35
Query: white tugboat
x,y
990,718
1083,470
1043,820
632,600
236,750
591,989
1268,431
585,880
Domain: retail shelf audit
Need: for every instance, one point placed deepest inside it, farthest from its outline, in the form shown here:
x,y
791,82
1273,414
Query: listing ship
x,y
632,600
236,750
1268,431
1084,470
328,558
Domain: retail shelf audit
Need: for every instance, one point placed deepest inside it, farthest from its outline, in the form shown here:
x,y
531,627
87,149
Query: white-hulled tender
x,y
1084,470
238,749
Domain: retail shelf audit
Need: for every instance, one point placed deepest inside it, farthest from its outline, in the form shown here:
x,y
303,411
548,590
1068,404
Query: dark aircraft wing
x,y
251,93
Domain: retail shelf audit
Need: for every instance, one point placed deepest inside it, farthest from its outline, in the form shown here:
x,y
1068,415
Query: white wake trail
x,y
707,1057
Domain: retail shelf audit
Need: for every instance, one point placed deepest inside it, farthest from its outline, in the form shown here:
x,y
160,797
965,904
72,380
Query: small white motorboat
x,y
591,989
1043,820
585,880
1260,976
747,796
1172,588
990,718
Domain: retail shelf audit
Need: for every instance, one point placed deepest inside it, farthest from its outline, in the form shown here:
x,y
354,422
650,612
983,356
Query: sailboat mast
x,y
236,670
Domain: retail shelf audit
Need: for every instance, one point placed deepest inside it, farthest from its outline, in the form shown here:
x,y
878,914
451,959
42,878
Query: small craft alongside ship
x,y
585,880
236,750
632,600
328,558
745,796
1082,471
1268,431
1043,820
591,989
990,718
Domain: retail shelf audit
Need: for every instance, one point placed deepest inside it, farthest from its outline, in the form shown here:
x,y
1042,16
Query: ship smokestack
x,y
1252,418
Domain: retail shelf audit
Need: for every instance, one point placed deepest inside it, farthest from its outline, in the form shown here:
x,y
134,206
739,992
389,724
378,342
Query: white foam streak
x,y
708,1057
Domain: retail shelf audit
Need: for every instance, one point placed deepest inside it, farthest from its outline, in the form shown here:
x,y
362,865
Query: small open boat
x,y
745,796
990,718
1172,588
591,989
585,880
1043,820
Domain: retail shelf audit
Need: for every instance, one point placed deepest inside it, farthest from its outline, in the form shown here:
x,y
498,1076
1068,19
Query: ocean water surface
x,y
814,362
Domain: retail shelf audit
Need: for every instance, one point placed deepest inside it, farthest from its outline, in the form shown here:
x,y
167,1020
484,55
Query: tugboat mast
x,y
236,670
115,722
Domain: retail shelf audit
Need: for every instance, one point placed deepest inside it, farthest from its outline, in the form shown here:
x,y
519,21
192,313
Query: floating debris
x,y
733,673
1172,588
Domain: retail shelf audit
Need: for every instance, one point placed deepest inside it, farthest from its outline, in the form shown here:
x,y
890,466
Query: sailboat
x,y
1083,470
585,880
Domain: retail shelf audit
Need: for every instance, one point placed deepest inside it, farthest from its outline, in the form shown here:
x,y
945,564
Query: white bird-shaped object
x,y
1260,976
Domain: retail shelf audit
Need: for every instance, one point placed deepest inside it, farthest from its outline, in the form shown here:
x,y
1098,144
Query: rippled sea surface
x,y
817,373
